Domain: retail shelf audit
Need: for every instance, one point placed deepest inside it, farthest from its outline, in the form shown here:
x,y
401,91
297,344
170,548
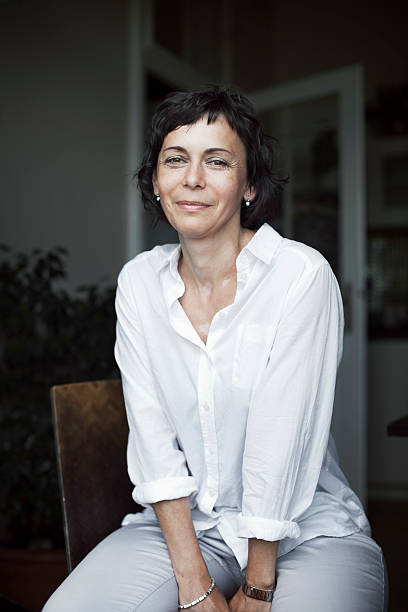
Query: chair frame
x,y
91,432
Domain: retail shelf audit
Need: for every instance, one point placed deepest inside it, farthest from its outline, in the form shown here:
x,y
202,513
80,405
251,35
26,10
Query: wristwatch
x,y
255,593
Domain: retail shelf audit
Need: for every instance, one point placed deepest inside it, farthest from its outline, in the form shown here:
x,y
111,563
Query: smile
x,y
187,205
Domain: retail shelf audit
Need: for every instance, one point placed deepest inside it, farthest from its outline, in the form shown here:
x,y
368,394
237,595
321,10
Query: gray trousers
x,y
130,571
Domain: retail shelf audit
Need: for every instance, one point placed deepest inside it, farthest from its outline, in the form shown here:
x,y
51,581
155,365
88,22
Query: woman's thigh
x,y
130,571
345,574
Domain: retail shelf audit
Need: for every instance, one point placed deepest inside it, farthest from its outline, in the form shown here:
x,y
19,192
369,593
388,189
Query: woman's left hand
x,y
242,603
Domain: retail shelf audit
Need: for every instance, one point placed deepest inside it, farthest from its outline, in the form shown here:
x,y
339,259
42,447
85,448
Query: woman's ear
x,y
250,193
155,185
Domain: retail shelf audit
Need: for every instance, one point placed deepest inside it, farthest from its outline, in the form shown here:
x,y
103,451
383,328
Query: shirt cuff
x,y
164,488
266,529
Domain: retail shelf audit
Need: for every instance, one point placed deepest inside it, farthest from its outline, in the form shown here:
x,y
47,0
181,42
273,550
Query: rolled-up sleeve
x,y
156,464
291,408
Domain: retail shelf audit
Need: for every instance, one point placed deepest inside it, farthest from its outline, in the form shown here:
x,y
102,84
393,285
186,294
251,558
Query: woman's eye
x,y
175,160
219,163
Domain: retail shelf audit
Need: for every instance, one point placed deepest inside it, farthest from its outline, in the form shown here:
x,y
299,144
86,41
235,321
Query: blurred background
x,y
79,83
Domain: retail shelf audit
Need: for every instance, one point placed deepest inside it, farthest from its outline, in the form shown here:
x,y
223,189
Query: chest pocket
x,y
251,354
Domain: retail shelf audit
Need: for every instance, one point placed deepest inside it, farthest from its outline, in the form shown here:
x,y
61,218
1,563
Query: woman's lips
x,y
187,205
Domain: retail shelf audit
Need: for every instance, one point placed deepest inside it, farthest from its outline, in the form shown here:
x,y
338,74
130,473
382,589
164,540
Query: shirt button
x,y
205,406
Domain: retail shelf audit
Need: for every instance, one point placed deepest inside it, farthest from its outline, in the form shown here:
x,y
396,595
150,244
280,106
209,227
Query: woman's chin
x,y
192,233
195,226
192,227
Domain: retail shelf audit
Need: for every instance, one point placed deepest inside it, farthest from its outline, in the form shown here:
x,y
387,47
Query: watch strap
x,y
256,593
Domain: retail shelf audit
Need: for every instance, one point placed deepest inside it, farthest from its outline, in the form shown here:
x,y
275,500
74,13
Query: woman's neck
x,y
209,262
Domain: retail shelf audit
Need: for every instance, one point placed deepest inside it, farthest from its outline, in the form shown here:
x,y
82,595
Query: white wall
x,y
62,131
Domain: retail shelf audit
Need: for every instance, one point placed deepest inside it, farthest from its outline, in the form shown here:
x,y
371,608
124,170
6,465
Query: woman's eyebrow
x,y
215,149
210,150
175,148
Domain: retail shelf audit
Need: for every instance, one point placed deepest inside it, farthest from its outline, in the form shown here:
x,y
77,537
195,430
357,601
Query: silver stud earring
x,y
158,198
248,203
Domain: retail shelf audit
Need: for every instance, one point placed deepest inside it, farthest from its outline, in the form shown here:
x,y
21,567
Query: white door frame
x,y
144,54
348,84
133,220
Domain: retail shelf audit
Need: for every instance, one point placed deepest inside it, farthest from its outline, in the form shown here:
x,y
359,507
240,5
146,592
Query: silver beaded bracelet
x,y
197,601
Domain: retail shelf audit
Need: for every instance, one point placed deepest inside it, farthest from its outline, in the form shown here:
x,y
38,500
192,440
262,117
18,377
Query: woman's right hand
x,y
215,602
190,569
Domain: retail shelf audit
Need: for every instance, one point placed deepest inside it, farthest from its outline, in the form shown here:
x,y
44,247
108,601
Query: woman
x,y
228,346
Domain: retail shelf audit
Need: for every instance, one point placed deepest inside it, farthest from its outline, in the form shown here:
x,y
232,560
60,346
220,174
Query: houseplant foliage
x,y
48,336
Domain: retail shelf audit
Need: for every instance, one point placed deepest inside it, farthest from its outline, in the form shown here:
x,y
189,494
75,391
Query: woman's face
x,y
201,177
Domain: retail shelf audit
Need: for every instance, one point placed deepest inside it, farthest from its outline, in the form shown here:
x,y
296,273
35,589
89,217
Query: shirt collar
x,y
263,245
167,254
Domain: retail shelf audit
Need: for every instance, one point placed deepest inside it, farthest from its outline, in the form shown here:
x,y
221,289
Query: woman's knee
x,y
130,571
117,575
328,573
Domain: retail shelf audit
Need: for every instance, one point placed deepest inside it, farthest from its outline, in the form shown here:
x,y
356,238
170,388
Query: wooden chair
x,y
91,436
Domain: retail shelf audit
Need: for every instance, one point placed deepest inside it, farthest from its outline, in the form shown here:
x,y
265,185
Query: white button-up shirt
x,y
240,424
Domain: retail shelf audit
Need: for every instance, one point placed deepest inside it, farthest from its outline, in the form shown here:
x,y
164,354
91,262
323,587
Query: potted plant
x,y
48,336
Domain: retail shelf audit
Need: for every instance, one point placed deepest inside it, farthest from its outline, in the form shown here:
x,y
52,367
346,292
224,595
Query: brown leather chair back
x,y
91,436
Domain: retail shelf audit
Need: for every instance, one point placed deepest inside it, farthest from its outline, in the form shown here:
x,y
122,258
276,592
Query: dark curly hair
x,y
185,108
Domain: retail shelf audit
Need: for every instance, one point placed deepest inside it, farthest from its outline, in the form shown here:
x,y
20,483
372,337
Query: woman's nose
x,y
194,175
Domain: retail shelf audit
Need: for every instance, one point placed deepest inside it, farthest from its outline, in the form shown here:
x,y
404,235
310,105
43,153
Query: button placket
x,y
207,420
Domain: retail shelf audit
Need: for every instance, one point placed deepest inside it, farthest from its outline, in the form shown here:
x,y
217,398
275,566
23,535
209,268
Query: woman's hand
x,y
260,572
215,602
242,603
189,567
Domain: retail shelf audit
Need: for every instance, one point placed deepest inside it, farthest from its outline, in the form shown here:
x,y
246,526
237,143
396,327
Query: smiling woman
x,y
228,346
201,177
182,112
